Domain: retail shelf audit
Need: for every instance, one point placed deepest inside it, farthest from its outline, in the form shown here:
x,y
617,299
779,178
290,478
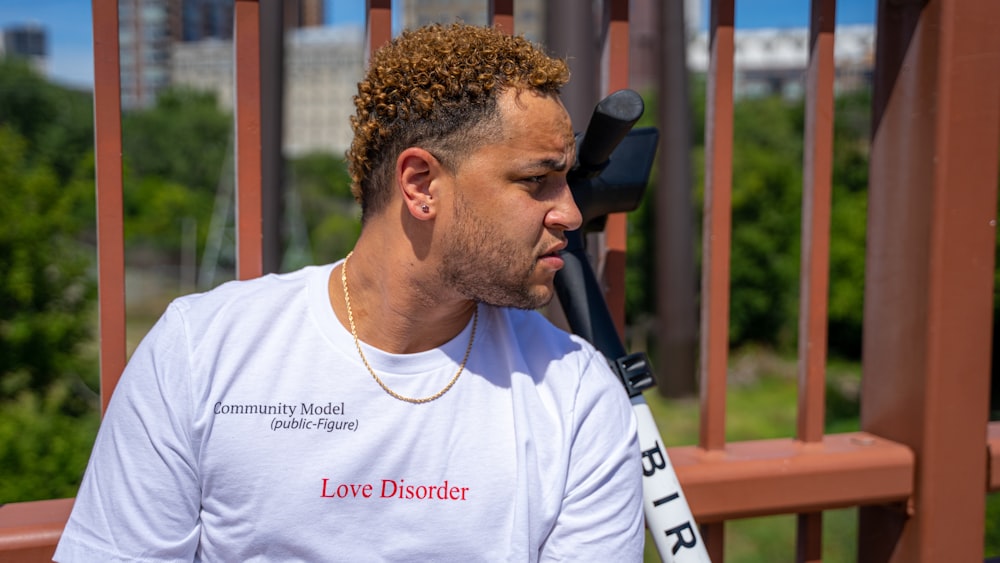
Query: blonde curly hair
x,y
436,87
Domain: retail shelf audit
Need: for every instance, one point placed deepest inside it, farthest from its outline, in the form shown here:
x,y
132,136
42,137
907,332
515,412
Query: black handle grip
x,y
613,118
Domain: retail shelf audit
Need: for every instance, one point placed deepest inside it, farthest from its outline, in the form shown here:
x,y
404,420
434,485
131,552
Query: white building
x,y
205,65
28,42
144,35
774,60
529,15
322,70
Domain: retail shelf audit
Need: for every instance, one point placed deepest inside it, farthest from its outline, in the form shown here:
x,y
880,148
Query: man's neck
x,y
397,302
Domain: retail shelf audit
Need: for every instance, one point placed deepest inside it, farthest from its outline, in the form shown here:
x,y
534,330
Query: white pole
x,y
668,516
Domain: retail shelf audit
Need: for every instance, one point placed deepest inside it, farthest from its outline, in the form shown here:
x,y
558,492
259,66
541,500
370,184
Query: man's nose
x,y
564,215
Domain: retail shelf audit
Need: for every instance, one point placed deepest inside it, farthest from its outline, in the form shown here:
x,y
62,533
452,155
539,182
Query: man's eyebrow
x,y
554,164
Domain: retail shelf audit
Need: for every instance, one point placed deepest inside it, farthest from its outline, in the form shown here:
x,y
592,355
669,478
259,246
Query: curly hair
x,y
436,87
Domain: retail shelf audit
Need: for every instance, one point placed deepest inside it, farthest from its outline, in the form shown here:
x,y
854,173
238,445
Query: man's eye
x,y
534,179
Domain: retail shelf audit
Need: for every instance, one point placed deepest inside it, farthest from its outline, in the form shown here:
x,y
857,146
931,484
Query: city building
x,y
149,30
767,61
204,19
773,61
213,19
144,36
322,68
529,15
26,42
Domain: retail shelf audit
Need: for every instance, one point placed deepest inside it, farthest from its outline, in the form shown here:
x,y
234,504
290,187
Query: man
x,y
404,404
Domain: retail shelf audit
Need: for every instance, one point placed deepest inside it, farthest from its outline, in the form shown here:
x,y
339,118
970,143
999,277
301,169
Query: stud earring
x,y
425,209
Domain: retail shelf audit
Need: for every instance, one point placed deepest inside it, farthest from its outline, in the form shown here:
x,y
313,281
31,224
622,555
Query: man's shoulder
x,y
534,336
532,325
256,291
246,307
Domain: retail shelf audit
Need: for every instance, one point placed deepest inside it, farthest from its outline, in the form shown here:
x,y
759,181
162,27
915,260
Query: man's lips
x,y
552,261
552,258
556,248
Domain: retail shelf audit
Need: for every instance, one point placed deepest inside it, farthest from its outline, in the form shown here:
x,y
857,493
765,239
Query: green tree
x,y
640,282
766,221
46,287
43,450
174,154
48,371
848,222
184,138
330,212
56,123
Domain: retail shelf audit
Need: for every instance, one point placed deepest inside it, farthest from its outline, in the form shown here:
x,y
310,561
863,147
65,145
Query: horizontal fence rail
x,y
787,476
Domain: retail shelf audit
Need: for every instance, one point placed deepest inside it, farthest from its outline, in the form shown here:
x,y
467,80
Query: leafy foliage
x,y
46,287
48,373
43,450
992,525
767,218
55,122
174,154
329,209
184,139
848,223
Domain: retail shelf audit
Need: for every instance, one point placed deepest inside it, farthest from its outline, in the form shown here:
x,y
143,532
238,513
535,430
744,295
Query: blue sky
x,y
68,23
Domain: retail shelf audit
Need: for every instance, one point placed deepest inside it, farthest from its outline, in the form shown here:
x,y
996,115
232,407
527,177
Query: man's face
x,y
511,205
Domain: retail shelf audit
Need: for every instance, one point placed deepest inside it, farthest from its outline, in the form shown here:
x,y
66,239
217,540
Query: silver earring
x,y
425,209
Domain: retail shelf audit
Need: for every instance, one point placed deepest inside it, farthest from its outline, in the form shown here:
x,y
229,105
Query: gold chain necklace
x,y
357,344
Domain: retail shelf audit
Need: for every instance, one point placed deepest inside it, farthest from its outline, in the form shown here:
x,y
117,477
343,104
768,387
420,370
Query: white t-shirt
x,y
246,428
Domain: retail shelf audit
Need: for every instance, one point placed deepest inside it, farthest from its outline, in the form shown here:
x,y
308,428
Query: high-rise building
x,y
204,19
149,30
529,15
773,61
322,70
144,35
304,13
27,42
213,19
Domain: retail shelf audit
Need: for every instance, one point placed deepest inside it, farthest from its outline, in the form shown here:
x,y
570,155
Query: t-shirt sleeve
x,y
601,518
140,496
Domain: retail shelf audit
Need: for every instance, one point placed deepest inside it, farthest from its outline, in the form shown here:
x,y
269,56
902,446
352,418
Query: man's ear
x,y
416,170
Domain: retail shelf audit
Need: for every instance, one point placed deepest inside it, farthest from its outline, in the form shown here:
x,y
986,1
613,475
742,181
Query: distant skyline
x,y
69,29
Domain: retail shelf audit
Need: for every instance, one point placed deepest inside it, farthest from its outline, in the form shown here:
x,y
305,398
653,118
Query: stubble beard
x,y
481,264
